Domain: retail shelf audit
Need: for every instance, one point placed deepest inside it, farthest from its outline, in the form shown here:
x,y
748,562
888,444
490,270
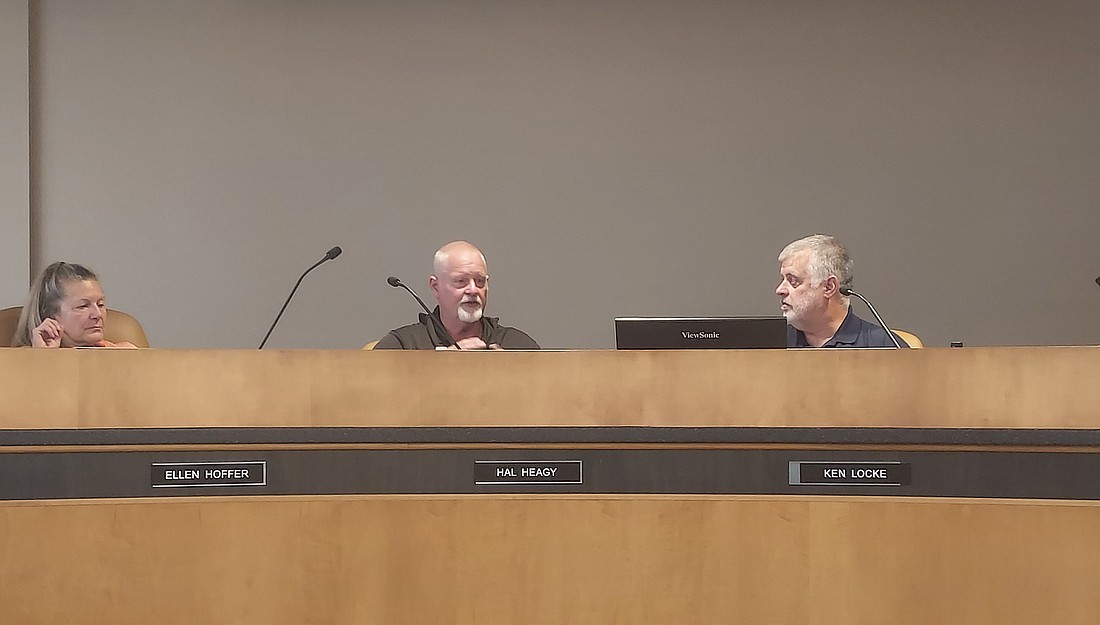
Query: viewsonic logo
x,y
700,335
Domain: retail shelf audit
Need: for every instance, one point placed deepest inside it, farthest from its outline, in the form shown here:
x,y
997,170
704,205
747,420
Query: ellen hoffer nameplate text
x,y
200,474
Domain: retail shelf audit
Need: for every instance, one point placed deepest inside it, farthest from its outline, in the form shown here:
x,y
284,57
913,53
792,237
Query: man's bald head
x,y
455,249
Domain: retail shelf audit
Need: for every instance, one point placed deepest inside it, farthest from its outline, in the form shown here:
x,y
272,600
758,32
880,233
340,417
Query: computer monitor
x,y
700,333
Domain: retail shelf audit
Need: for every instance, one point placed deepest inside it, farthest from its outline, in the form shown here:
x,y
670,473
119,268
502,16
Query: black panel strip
x,y
1006,474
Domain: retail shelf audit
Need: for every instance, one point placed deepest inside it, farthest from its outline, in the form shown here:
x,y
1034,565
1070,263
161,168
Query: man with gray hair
x,y
460,284
812,270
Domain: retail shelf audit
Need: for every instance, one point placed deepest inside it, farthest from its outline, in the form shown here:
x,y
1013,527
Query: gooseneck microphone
x,y
394,281
329,255
848,291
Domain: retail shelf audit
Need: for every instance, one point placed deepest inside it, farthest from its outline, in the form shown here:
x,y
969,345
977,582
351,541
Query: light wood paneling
x,y
506,559
1049,387
552,560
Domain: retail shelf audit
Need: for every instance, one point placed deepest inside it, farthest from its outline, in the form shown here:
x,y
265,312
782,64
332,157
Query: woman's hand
x,y
47,334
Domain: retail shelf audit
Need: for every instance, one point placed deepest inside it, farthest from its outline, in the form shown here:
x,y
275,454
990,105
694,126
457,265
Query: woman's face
x,y
82,314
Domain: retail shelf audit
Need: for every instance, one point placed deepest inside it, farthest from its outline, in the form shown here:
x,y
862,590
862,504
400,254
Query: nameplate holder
x,y
206,474
528,472
814,473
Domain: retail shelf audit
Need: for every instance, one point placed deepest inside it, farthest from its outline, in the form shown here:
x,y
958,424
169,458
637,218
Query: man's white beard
x,y
470,316
798,314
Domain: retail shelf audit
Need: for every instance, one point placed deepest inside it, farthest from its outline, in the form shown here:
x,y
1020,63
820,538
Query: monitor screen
x,y
700,333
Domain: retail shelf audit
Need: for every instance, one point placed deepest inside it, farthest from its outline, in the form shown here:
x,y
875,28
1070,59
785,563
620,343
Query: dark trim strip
x,y
1057,474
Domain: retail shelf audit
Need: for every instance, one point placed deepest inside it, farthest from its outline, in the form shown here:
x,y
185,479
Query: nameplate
x,y
528,472
198,474
848,473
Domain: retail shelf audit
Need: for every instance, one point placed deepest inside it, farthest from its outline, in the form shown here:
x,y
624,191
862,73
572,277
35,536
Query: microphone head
x,y
844,290
333,253
394,281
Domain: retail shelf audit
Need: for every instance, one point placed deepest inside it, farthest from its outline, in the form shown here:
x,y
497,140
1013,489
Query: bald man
x,y
460,284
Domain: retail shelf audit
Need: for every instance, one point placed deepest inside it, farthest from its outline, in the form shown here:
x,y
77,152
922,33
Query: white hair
x,y
827,258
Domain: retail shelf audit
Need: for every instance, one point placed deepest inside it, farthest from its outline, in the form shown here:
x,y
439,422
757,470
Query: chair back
x,y
912,339
120,327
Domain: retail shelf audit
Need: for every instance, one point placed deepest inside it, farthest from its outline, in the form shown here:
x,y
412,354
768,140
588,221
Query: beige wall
x,y
14,152
611,157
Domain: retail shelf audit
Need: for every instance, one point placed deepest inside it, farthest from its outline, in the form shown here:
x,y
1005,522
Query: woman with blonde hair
x,y
65,308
